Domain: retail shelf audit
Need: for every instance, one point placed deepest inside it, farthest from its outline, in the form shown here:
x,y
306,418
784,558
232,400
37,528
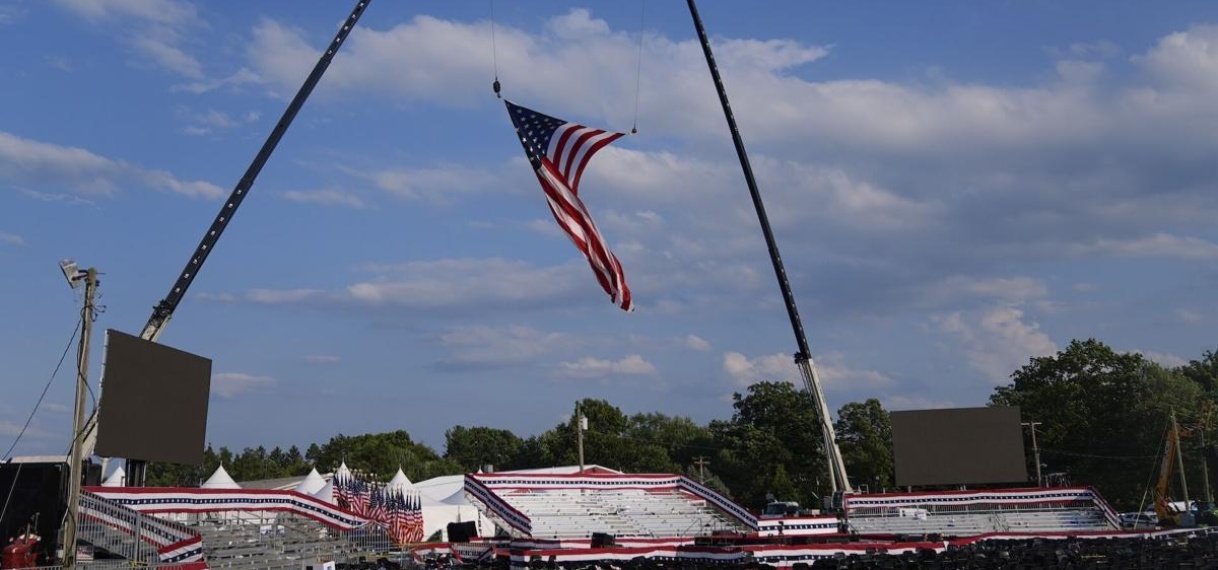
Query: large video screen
x,y
961,446
153,402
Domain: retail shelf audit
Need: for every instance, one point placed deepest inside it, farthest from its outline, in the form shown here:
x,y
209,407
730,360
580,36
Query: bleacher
x,y
567,513
578,506
280,541
230,529
970,513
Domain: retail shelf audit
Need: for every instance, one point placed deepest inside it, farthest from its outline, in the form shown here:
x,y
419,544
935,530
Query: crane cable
x,y
638,76
494,52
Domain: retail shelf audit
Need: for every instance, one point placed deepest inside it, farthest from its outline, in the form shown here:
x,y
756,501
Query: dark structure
x,y
35,494
154,406
961,446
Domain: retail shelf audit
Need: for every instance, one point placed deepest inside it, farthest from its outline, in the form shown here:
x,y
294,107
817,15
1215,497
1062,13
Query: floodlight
x,y
71,273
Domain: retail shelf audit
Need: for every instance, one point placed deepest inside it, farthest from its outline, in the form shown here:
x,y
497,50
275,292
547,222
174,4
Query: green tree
x,y
773,425
1204,372
1102,414
864,434
473,447
380,455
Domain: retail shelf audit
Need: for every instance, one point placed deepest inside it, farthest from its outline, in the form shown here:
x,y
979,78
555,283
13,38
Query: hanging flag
x,y
559,151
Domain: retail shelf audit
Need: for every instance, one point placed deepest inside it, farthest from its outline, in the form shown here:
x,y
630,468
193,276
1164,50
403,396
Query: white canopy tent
x,y
311,484
220,480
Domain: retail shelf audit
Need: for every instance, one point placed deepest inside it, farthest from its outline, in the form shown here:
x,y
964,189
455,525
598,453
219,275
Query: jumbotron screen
x,y
153,402
960,446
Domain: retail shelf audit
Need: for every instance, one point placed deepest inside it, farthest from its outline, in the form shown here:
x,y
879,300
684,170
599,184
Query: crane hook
x,y
495,86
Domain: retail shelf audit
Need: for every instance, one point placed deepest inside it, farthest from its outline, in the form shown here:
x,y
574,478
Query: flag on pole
x,y
559,151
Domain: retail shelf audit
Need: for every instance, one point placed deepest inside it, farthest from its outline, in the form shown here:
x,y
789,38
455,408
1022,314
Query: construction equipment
x,y
163,310
1168,512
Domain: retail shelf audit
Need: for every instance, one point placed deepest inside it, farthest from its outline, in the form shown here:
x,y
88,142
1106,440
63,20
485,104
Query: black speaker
x,y
603,540
36,494
457,532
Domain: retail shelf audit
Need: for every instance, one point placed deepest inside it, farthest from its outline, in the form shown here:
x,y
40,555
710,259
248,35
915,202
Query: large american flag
x,y
559,151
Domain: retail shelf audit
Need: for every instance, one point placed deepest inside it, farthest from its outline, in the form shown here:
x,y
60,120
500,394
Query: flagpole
x,y
803,358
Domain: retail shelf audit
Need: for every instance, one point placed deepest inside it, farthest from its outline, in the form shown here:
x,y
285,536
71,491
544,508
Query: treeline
x,y
1102,417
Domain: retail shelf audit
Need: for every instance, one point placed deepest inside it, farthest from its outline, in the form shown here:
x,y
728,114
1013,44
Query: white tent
x,y
312,483
116,479
401,483
342,471
220,480
327,493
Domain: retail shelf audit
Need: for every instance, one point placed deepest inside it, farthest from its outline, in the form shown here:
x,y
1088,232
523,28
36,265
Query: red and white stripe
x,y
571,147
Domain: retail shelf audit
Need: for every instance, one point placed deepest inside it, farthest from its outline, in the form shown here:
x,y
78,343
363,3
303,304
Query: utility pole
x,y
701,462
581,424
1035,451
1175,429
76,461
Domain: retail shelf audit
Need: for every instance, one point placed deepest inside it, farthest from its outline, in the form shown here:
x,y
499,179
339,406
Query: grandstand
x,y
579,506
225,528
970,513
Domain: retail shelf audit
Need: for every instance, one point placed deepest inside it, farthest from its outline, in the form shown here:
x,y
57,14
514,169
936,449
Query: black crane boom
x,y
163,310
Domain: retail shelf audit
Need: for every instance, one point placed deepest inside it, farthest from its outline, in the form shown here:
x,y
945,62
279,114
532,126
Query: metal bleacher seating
x,y
576,513
1030,519
277,541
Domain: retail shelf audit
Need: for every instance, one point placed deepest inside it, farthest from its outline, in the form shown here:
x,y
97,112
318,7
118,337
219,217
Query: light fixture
x,y
74,275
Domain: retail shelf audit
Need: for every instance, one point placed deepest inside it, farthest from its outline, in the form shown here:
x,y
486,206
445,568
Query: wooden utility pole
x,y
76,457
580,426
701,462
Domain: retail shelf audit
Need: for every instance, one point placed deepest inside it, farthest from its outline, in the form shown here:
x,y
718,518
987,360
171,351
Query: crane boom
x,y
163,310
839,482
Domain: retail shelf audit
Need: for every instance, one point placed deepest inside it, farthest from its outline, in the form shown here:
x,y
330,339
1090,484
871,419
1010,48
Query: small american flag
x,y
559,151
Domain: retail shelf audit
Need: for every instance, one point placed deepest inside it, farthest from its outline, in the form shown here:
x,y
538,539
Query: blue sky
x,y
955,188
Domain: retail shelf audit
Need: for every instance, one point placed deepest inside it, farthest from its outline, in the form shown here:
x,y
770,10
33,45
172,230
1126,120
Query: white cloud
x,y
1157,245
438,184
30,161
1190,317
1007,289
323,358
744,371
896,402
207,122
589,367
697,343
325,197
11,429
230,384
1187,59
69,199
836,375
997,341
163,26
54,407
11,13
462,284
1163,358
834,372
456,282
11,239
485,346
